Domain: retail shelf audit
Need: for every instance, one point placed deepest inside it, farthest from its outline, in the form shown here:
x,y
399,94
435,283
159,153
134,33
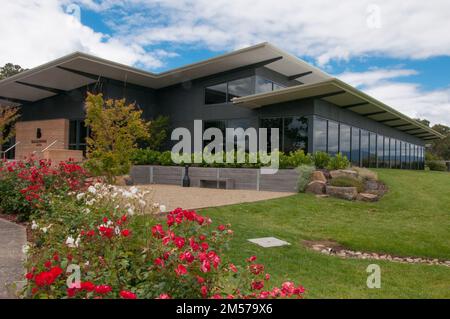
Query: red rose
x,y
164,296
179,242
202,237
159,262
29,276
126,233
251,259
87,286
127,295
206,266
221,227
200,280
48,264
233,268
257,285
103,289
158,231
181,270
204,291
124,218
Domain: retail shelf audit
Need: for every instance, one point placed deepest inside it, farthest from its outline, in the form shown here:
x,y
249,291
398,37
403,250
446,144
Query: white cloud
x,y
34,32
321,29
409,98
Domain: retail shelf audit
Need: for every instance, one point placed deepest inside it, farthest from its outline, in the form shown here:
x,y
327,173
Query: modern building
x,y
259,86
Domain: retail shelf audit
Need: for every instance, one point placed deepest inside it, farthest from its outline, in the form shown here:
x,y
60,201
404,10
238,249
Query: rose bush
x,y
140,256
26,186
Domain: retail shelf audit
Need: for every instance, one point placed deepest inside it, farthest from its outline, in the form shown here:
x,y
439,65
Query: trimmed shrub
x,y
338,162
305,172
437,166
321,159
298,158
348,182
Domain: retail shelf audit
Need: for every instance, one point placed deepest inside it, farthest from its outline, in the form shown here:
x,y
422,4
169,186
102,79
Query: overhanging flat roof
x,y
80,69
347,97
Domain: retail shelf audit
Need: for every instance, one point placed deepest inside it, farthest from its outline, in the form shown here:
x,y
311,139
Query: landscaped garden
x,y
412,219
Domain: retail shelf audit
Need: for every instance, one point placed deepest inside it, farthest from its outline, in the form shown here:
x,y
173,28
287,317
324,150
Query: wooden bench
x,y
219,183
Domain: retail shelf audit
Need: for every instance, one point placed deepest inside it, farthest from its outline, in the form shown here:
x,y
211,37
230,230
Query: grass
x,y
413,219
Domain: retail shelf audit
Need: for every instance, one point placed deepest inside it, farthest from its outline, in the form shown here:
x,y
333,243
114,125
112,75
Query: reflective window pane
x,y
277,86
380,150
355,146
372,150
320,135
387,153
272,123
263,85
333,137
365,148
392,152
239,88
216,94
295,134
344,140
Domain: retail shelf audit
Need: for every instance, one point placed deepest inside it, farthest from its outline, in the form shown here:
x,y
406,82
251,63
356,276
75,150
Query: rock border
x,y
334,249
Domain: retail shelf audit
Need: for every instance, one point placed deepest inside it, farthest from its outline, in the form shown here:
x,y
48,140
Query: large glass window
x,y
344,140
78,133
392,152
404,152
398,152
372,150
333,138
216,94
295,134
272,123
355,146
238,88
380,150
320,135
263,85
387,152
365,148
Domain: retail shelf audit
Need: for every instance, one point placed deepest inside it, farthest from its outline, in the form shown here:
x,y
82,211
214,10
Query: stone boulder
x,y
318,176
344,173
367,197
316,187
348,193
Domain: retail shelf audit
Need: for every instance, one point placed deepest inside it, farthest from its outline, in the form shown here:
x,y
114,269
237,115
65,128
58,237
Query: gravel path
x,y
12,238
193,197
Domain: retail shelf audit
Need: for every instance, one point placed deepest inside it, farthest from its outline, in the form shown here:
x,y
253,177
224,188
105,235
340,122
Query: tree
x,y
441,148
10,69
115,127
158,132
8,116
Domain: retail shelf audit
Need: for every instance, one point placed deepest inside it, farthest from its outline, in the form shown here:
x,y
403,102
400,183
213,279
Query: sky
x,y
397,51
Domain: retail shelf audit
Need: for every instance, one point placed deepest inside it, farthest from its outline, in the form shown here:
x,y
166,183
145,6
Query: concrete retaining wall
x,y
285,180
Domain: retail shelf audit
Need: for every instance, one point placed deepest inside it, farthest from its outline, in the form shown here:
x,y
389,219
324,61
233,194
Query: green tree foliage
x,y
10,69
440,149
8,116
115,128
158,132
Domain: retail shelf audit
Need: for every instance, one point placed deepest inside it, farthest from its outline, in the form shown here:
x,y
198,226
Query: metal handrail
x,y
6,151
49,146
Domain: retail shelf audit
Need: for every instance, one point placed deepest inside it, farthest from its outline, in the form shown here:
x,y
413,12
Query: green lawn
x,y
413,219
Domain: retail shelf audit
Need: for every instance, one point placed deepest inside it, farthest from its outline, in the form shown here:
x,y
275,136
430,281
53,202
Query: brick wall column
x,y
51,130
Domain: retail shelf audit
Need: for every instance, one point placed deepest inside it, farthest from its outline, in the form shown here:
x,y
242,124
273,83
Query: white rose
x,y
92,189
34,225
162,208
70,242
25,249
80,196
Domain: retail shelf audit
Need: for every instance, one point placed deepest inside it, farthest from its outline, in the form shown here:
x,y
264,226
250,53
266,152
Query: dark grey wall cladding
x,y
70,105
332,112
283,181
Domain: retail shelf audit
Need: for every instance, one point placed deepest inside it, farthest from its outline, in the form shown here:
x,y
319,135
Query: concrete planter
x,y
285,180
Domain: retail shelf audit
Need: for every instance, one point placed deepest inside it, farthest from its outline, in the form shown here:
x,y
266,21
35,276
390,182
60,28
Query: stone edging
x,y
333,249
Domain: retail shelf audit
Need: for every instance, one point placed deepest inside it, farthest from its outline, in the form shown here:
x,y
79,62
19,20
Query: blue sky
x,y
396,51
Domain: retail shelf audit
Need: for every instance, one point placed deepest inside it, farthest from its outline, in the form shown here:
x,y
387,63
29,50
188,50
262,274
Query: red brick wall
x,y
51,130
